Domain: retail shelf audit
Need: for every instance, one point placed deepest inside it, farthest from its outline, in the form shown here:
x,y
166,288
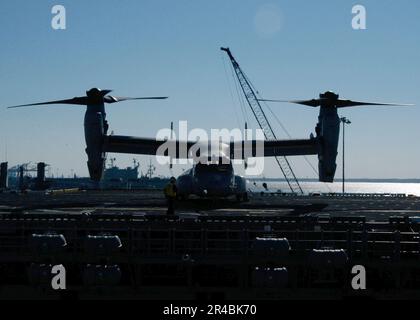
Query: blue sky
x,y
289,49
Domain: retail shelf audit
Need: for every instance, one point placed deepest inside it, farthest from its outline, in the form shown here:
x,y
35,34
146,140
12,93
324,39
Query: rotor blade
x,y
310,103
75,100
350,103
112,99
337,103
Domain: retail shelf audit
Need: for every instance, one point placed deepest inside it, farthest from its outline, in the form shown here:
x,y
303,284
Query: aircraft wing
x,y
274,148
147,146
238,150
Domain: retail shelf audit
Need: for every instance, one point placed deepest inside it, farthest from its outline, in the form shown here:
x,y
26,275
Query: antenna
x,y
150,170
172,137
243,147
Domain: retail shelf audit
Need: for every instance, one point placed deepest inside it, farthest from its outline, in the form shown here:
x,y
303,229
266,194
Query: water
x,y
351,187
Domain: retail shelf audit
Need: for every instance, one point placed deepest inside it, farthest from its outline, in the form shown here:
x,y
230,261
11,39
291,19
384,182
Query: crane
x,y
263,122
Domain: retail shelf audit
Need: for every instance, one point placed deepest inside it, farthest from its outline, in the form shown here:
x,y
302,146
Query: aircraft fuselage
x,y
211,180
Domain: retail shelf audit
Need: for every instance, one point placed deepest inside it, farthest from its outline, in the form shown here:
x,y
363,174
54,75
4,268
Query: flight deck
x,y
121,244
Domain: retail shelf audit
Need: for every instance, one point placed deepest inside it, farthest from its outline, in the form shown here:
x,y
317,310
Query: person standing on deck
x,y
170,192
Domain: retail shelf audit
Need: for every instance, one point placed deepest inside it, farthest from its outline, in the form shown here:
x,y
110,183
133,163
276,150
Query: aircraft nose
x,y
214,182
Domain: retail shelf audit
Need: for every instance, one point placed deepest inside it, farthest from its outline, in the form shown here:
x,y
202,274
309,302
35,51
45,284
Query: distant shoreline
x,y
391,180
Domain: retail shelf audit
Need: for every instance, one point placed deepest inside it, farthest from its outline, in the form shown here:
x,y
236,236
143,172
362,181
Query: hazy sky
x,y
289,49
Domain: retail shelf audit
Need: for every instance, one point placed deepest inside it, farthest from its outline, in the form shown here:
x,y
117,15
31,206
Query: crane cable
x,y
245,114
231,93
241,98
285,131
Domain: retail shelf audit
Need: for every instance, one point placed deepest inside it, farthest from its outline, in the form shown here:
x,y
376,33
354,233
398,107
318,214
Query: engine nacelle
x,y
95,130
328,131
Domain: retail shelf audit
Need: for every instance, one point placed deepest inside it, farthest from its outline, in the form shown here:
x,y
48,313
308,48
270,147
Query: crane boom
x,y
263,122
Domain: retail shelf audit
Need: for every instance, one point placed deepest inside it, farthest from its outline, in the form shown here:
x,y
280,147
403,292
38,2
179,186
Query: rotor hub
x,y
94,93
329,95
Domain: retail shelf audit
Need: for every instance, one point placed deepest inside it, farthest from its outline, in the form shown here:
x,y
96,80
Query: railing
x,y
330,194
209,241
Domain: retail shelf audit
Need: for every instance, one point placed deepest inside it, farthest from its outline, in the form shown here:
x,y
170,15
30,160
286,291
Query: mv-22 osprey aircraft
x,y
204,179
